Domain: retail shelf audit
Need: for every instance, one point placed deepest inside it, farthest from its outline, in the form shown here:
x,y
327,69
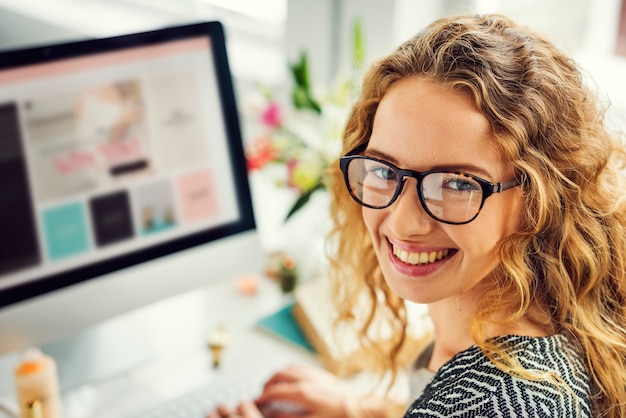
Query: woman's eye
x,y
383,173
461,184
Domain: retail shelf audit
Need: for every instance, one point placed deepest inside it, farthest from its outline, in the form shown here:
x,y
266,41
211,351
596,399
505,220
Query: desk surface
x,y
176,331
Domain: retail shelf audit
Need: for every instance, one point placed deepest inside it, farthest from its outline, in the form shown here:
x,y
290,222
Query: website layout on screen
x,y
109,153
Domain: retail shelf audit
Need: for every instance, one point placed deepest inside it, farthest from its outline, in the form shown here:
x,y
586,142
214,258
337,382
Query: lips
x,y
421,257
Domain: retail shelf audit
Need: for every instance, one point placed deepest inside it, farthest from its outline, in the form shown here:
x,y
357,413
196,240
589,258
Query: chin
x,y
408,288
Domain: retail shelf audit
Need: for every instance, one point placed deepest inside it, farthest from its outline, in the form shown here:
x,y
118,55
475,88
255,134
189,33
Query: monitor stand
x,y
100,352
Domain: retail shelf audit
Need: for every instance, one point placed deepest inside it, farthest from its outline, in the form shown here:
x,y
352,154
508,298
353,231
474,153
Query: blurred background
x,y
265,37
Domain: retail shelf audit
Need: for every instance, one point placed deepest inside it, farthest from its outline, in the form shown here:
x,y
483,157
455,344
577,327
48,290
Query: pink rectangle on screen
x,y
102,60
198,199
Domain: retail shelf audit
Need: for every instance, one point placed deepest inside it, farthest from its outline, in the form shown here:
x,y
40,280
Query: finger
x,y
224,411
293,374
249,410
280,391
283,376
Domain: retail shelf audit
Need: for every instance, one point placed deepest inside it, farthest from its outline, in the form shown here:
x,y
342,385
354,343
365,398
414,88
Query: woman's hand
x,y
304,391
244,410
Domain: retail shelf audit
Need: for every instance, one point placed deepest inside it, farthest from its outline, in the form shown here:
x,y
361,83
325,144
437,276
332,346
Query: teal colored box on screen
x,y
65,231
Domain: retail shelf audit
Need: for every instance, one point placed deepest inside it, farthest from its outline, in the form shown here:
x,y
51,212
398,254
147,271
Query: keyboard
x,y
231,388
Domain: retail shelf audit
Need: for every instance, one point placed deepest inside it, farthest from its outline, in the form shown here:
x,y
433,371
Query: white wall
x,y
586,28
261,50
256,47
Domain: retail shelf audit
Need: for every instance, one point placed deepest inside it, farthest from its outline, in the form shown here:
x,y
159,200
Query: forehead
x,y
422,125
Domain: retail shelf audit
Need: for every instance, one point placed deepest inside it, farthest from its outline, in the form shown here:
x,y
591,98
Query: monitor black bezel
x,y
10,59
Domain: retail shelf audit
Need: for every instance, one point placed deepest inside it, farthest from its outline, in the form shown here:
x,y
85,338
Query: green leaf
x,y
302,100
301,96
358,48
303,199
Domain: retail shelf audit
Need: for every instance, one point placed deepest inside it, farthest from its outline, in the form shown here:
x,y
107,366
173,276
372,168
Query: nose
x,y
407,216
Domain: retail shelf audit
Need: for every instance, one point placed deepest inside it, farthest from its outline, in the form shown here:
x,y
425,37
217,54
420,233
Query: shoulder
x,y
471,385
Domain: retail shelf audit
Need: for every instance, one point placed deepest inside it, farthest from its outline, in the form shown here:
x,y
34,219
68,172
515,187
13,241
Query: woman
x,y
478,177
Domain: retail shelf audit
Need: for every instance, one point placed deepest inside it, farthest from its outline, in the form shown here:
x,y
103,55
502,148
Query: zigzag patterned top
x,y
469,385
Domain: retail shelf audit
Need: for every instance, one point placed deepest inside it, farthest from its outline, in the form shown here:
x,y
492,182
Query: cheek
x,y
506,213
372,219
501,219
517,206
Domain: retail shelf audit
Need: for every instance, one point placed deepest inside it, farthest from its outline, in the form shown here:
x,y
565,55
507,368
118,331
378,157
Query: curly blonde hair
x,y
569,258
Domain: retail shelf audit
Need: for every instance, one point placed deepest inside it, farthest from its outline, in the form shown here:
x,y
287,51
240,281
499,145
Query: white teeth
x,y
420,257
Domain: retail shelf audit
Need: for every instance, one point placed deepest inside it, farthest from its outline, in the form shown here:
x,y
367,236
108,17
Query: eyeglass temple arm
x,y
505,185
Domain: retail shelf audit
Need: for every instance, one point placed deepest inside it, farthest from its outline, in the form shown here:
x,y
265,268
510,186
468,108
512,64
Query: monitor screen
x,y
115,156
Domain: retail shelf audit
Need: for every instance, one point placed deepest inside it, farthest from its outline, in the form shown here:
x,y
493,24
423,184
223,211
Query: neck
x,y
451,325
452,318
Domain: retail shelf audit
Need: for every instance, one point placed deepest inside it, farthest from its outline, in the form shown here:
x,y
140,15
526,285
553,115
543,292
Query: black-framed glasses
x,y
451,197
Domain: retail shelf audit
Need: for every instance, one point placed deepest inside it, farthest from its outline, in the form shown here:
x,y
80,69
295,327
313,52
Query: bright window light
x,y
274,11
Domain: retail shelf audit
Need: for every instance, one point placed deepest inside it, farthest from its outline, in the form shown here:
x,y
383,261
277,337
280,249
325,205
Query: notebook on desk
x,y
283,325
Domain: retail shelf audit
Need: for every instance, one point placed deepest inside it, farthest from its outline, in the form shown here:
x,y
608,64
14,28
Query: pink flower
x,y
272,115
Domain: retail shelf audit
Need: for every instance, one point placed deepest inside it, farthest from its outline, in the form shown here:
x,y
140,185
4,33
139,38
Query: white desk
x,y
176,329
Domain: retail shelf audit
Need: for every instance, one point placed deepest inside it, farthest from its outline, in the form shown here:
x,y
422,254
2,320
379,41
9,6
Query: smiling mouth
x,y
420,258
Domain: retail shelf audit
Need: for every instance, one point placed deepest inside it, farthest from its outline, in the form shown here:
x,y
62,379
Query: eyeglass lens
x,y
448,197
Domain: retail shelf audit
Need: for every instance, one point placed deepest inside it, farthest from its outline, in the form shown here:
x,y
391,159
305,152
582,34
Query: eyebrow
x,y
464,167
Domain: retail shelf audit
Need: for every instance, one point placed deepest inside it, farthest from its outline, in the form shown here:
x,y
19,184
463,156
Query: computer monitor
x,y
122,179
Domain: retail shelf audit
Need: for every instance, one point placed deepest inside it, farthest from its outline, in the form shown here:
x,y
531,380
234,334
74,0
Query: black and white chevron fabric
x,y
469,385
